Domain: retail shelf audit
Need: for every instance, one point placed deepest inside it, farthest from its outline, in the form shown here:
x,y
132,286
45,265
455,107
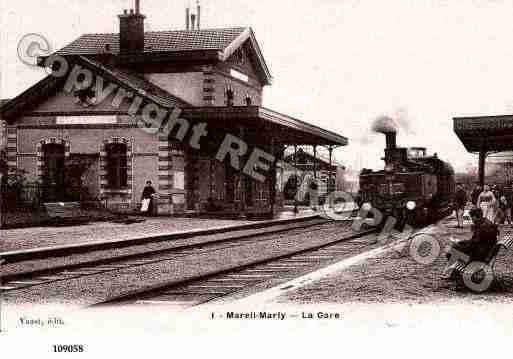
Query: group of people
x,y
495,203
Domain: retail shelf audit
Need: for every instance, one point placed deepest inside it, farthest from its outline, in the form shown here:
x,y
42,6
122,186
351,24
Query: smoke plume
x,y
384,124
405,120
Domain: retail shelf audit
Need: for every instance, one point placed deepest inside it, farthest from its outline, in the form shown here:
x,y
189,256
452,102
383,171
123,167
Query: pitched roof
x,y
140,85
157,41
223,42
134,82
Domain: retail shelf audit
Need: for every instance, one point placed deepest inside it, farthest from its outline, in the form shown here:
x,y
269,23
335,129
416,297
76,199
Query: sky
x,y
338,64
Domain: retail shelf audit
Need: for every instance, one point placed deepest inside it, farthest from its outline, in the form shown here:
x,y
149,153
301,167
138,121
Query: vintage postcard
x,y
293,177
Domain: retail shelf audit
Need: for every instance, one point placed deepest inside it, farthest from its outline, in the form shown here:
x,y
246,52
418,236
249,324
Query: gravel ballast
x,y
37,237
39,264
91,289
395,277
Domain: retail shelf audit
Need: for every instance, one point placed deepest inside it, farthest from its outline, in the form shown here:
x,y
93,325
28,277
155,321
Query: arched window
x,y
248,101
117,165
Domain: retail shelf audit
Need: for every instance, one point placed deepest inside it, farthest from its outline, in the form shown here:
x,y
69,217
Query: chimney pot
x,y
193,21
187,19
198,11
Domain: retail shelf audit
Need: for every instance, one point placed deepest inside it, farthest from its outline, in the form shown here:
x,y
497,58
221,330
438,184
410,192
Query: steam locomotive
x,y
414,188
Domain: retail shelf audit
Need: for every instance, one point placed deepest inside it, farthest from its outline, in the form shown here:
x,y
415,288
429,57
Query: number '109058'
x,y
68,348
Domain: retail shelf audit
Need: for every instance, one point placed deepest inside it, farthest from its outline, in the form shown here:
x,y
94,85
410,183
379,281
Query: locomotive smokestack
x,y
388,127
391,138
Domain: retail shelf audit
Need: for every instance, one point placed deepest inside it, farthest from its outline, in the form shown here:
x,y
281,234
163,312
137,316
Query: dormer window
x,y
230,95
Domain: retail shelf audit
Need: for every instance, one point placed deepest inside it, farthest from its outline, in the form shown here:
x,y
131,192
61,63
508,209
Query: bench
x,y
458,268
65,213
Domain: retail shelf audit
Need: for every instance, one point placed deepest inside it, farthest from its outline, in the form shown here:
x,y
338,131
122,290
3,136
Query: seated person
x,y
484,238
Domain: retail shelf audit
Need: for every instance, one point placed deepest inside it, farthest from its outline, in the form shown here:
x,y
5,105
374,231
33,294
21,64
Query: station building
x,y
310,166
200,88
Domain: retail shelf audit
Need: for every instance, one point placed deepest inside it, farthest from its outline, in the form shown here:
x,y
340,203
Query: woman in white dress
x,y
487,201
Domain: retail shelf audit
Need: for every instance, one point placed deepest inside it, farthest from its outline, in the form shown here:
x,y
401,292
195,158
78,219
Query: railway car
x,y
413,187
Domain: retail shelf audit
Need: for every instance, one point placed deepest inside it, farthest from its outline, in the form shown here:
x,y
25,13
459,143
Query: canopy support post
x,y
329,189
297,181
242,181
482,162
272,182
315,162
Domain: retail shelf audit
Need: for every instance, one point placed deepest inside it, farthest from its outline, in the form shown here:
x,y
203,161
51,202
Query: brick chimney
x,y
131,30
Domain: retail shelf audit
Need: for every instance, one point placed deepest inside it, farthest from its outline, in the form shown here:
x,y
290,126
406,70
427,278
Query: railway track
x,y
212,241
224,282
17,256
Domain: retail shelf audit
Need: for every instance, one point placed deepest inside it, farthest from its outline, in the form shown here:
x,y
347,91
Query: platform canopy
x,y
485,135
266,123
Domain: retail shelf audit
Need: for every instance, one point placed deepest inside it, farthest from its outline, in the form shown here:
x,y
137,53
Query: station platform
x,y
43,237
394,276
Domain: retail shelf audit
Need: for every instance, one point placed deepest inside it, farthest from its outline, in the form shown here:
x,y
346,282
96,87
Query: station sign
x,y
483,124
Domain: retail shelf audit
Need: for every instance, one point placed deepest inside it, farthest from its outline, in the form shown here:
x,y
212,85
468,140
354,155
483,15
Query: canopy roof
x,y
266,123
488,133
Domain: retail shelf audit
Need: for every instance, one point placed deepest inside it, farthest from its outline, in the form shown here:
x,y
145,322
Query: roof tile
x,y
157,41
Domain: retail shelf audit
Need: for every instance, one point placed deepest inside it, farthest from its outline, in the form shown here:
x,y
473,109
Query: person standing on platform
x,y
496,192
505,210
147,199
460,201
486,202
475,195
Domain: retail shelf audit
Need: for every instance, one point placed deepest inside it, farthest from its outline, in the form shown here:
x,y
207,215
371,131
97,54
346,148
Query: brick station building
x,y
66,136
